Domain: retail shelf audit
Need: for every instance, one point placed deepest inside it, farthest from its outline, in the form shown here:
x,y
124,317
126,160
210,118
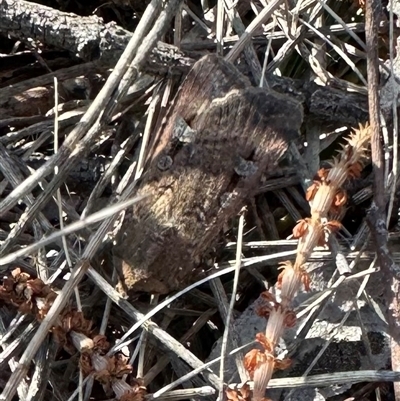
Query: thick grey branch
x,y
89,38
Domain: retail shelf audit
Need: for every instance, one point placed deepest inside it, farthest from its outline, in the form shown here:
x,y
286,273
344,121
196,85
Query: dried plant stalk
x,y
326,197
73,332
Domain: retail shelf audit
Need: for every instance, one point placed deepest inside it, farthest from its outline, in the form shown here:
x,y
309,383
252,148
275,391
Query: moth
x,y
219,137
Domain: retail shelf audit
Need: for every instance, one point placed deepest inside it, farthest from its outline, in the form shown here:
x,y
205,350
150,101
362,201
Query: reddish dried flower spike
x,y
48,302
329,227
267,296
354,171
35,287
20,276
265,310
322,174
242,394
360,3
312,190
245,391
85,363
25,307
322,241
340,198
117,366
232,395
333,225
305,279
311,231
74,320
8,285
280,278
102,376
264,341
290,319
284,266
101,344
300,228
133,396
121,366
253,359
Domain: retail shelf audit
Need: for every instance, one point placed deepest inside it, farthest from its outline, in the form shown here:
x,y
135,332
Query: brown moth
x,y
219,137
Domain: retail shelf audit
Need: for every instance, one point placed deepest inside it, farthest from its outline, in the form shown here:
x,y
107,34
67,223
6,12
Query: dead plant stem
x,y
377,213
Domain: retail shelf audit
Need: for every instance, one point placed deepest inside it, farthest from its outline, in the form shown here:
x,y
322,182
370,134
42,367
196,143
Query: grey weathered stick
x,y
223,306
170,58
328,379
59,304
163,361
76,226
197,392
41,372
14,176
86,37
42,128
287,48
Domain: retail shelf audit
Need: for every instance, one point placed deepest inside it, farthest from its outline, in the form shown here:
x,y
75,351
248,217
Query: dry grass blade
x,y
338,326
205,391
377,216
102,183
78,225
230,311
324,380
343,24
195,372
